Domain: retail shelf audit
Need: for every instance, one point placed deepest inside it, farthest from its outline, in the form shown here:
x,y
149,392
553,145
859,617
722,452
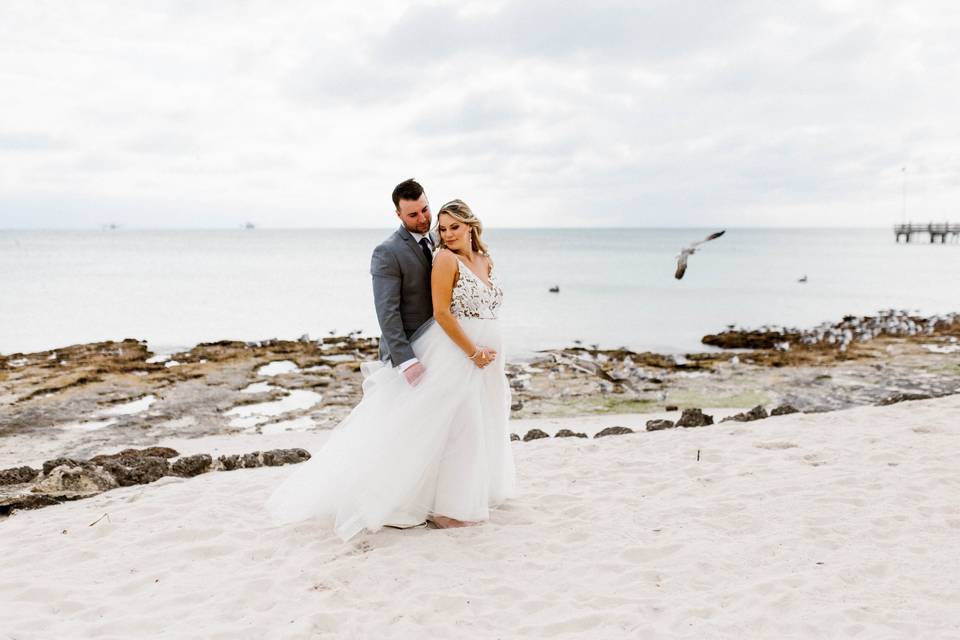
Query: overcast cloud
x,y
611,113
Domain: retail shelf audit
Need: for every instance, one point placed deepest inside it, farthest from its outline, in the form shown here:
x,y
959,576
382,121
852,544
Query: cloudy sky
x,y
538,113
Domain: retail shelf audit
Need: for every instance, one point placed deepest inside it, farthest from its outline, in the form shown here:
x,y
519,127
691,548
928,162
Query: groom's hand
x,y
413,373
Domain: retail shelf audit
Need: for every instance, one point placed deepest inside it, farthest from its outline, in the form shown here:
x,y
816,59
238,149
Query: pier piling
x,y
941,231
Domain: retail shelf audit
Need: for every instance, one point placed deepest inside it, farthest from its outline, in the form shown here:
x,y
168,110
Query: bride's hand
x,y
483,357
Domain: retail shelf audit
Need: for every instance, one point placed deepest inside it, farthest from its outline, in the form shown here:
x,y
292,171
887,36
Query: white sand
x,y
816,526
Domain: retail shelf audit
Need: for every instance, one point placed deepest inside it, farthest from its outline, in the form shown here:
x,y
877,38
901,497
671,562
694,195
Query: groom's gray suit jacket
x,y
401,294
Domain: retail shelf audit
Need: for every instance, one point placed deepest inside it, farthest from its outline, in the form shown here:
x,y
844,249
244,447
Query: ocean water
x,y
178,288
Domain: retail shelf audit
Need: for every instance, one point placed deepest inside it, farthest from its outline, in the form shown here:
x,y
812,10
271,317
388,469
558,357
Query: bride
x,y
439,451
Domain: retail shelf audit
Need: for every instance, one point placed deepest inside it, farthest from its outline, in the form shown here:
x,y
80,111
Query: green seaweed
x,y
688,399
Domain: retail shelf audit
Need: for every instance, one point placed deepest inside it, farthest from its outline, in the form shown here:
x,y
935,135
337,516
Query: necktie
x,y
425,245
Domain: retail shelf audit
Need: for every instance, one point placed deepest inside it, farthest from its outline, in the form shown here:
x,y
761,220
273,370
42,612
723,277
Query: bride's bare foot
x,y
444,522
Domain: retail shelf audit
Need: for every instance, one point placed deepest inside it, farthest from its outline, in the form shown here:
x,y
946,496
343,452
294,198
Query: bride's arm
x,y
442,280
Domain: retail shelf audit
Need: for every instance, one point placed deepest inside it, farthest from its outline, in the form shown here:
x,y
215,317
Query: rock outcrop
x,y
694,418
18,475
660,425
757,413
71,479
535,434
783,410
903,397
613,431
567,433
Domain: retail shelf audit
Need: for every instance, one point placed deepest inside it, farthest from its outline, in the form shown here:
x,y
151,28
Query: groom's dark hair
x,y
406,190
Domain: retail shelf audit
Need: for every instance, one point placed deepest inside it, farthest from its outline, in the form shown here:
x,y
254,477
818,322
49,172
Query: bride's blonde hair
x,y
458,210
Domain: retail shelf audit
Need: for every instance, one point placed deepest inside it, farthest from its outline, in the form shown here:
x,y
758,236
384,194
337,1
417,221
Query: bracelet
x,y
475,353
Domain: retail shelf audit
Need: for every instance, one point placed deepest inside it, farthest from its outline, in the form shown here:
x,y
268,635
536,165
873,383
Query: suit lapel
x,y
416,248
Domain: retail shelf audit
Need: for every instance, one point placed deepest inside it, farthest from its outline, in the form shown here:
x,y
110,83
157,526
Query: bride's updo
x,y
458,210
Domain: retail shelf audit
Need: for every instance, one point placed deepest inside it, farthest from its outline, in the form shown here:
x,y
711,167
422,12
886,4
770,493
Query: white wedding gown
x,y
441,447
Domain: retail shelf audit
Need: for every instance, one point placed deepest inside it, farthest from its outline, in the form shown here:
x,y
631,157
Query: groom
x,y
400,267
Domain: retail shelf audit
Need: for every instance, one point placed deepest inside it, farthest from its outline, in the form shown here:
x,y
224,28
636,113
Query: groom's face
x,y
415,214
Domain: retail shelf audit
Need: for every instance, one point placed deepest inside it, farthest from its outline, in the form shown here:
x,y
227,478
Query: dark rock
x,y
567,433
18,475
26,501
514,437
757,413
190,466
516,406
75,481
71,479
136,469
535,434
613,431
279,457
244,461
229,462
129,455
671,407
903,397
750,339
49,465
694,418
659,425
783,410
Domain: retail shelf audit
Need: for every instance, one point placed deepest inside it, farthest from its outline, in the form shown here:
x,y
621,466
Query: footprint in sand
x,y
361,547
813,460
775,445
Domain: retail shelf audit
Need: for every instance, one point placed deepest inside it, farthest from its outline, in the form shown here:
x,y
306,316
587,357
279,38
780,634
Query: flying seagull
x,y
689,251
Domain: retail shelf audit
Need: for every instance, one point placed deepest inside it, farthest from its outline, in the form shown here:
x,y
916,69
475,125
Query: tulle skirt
x,y
404,453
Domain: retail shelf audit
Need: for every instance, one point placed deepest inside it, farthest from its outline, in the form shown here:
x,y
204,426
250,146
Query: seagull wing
x,y
712,236
688,251
681,265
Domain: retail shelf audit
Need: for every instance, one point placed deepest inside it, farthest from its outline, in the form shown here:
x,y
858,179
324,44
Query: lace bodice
x,y
472,298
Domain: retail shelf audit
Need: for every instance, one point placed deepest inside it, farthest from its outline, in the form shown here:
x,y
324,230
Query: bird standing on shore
x,y
686,252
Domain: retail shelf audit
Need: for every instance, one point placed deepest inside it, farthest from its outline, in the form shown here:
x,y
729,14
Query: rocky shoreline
x,y
80,401
66,479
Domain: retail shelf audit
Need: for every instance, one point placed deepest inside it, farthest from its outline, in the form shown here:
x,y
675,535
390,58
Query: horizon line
x,y
105,227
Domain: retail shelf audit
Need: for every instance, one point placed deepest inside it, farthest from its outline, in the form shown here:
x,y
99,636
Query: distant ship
x,y
113,226
249,225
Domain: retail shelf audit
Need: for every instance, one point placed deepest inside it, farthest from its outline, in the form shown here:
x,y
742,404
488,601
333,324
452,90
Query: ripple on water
x,y
129,408
303,423
89,425
278,367
258,387
250,415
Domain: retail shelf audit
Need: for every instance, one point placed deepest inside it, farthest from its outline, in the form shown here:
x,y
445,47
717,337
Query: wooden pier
x,y
935,230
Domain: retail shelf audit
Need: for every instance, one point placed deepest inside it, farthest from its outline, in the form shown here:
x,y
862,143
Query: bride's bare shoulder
x,y
445,260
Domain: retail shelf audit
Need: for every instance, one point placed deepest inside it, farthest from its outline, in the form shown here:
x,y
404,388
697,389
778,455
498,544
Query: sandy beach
x,y
840,524
838,519
682,279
